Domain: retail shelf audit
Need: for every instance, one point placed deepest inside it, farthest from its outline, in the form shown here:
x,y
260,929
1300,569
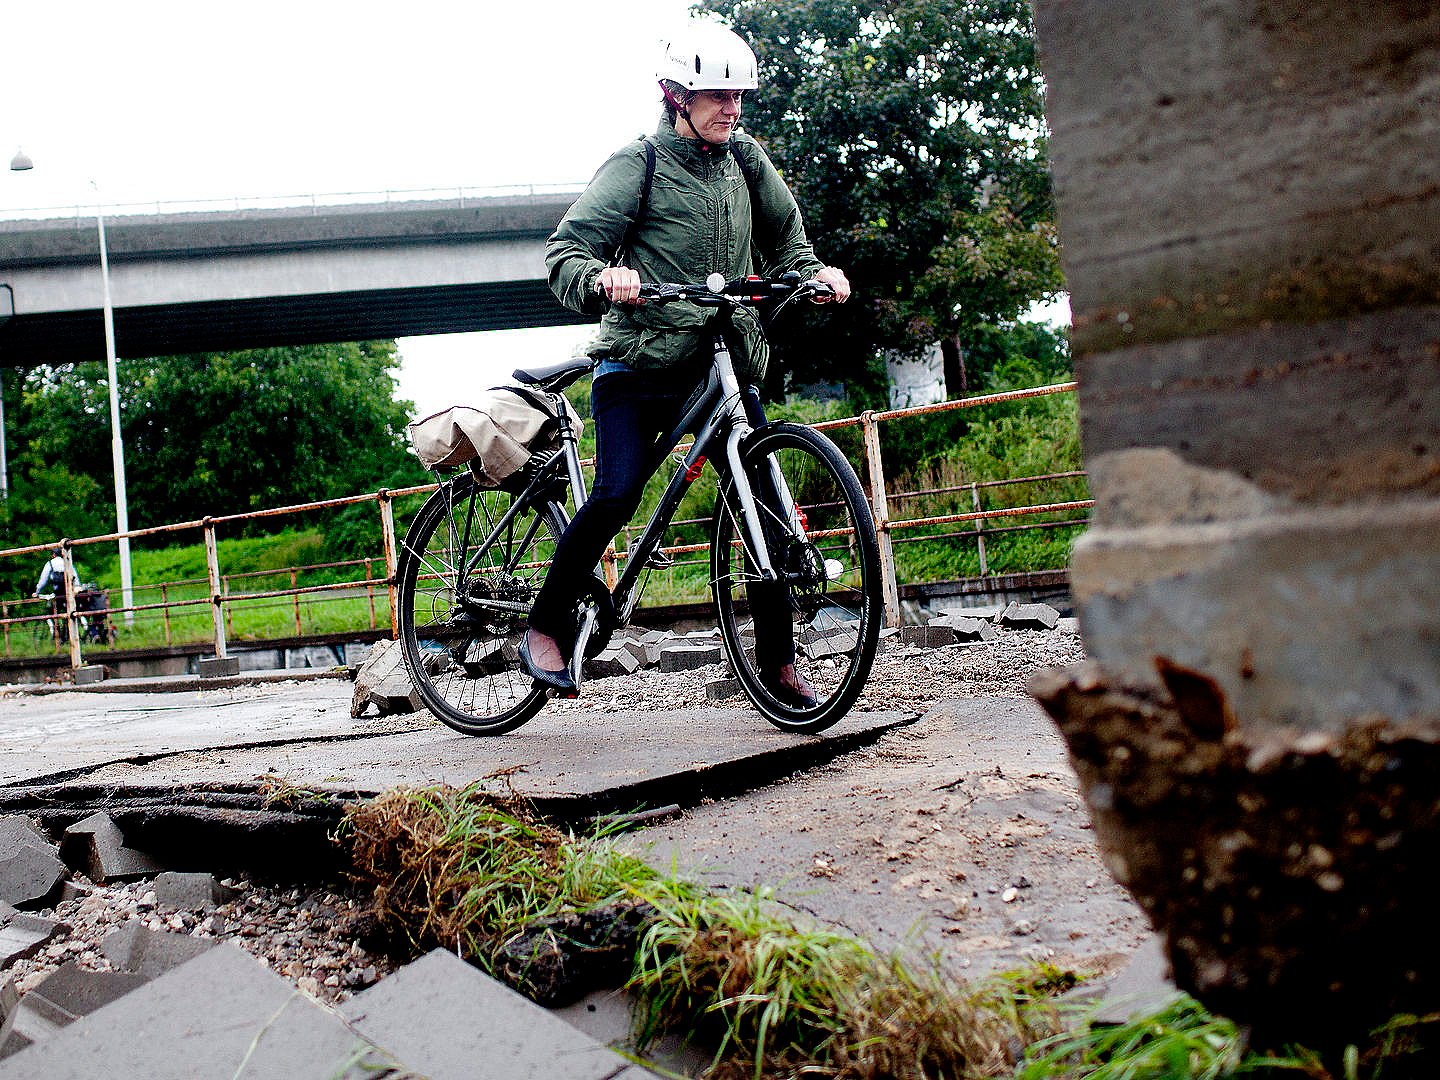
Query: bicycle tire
x,y
833,591
462,654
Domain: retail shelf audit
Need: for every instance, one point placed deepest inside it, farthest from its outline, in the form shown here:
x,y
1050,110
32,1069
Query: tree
x,y
912,133
212,434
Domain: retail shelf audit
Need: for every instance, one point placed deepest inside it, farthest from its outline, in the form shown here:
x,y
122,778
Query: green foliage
x,y
1180,1042
212,434
913,136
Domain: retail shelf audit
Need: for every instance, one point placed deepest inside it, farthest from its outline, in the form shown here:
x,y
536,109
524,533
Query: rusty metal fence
x,y
34,625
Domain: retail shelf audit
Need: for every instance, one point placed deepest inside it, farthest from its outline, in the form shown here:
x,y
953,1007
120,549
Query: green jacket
x,y
699,221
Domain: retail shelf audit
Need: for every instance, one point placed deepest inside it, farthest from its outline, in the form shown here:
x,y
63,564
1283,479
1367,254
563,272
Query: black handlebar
x,y
754,289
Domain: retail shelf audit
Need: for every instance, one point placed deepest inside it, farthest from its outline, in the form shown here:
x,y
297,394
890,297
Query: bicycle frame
x,y
716,415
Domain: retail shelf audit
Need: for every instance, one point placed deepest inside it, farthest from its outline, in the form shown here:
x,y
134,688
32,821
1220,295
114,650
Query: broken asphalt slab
x,y
265,762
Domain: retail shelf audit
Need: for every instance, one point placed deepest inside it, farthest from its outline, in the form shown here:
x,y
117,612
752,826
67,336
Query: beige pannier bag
x,y
496,436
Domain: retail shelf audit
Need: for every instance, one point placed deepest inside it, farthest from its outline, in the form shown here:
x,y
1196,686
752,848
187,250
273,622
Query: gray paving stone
x,y
17,829
176,891
688,657
647,652
384,660
62,997
611,662
930,636
30,874
24,935
96,847
720,689
1029,617
9,1003
220,1016
973,629
448,1021
136,948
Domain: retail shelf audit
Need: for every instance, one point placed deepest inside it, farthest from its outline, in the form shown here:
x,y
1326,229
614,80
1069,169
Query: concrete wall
x,y
1249,201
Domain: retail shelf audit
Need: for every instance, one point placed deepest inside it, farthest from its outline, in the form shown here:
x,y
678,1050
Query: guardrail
x,y
26,624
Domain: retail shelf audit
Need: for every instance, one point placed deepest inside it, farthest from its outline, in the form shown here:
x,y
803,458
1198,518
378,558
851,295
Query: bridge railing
x,y
464,195
205,609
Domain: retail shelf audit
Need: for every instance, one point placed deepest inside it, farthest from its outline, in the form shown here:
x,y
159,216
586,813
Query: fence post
x,y
295,584
392,561
876,469
370,592
165,610
979,530
217,601
5,618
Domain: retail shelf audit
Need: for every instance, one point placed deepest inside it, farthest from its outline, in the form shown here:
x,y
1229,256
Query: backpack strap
x,y
747,169
646,184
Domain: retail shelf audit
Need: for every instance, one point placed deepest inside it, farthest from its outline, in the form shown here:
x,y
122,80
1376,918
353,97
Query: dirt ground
x,y
960,837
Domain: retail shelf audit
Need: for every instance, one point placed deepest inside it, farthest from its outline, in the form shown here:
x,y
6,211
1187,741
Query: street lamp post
x,y
20,163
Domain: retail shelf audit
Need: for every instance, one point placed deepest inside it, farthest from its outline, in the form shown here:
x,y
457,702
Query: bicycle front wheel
x,y
827,608
469,570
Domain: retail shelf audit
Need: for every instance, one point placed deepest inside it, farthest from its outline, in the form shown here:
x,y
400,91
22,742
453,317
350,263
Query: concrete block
x,y
973,629
150,953
96,847
927,637
211,667
9,1004
384,660
89,674
30,874
1029,617
222,1014
62,997
443,1017
611,662
836,641
491,658
25,935
688,657
721,689
397,694
16,829
647,652
190,892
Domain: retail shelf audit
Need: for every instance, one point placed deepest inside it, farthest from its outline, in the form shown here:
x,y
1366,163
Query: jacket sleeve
x,y
594,226
779,232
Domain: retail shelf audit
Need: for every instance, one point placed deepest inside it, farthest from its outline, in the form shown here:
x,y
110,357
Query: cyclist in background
x,y
715,203
52,576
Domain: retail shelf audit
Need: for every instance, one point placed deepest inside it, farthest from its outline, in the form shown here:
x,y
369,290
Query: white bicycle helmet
x,y
708,56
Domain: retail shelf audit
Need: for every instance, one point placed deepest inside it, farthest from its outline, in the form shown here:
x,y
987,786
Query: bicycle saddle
x,y
554,377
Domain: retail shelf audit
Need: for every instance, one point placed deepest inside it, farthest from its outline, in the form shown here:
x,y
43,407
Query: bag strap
x,y
746,169
642,205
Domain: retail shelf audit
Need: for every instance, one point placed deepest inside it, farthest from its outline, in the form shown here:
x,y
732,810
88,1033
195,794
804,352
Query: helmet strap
x,y
684,113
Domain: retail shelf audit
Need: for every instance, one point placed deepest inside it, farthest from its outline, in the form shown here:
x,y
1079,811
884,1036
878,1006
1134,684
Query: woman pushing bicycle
x,y
695,199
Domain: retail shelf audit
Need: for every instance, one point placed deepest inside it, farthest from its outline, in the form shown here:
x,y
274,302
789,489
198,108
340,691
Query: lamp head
x,y
21,162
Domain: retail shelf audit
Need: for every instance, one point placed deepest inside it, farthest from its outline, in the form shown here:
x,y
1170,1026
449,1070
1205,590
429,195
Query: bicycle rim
x,y
464,605
832,595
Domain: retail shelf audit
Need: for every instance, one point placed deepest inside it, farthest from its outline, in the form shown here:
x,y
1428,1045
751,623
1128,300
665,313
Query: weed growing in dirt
x,y
774,996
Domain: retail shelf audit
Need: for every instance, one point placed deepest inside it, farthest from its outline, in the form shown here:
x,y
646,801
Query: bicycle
x,y
790,514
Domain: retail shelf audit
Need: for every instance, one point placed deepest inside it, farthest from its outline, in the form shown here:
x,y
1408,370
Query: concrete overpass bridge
x,y
249,278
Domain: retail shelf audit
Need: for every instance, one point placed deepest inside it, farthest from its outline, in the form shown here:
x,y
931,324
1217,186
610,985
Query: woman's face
x,y
714,114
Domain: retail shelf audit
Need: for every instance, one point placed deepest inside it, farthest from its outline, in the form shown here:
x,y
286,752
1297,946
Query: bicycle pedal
x,y
660,560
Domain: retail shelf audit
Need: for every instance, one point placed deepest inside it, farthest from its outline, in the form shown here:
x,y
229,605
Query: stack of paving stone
x,y
382,682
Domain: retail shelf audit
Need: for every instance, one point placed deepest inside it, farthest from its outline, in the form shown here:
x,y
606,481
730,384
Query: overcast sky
x,y
157,100
168,101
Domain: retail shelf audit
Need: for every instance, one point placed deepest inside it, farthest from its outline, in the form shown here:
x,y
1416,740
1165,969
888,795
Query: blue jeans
x,y
632,411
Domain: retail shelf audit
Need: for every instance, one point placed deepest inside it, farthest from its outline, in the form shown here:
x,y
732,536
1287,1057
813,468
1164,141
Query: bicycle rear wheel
x,y
831,577
469,570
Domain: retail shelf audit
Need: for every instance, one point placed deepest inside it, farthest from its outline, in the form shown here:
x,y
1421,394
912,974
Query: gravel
x,y
310,935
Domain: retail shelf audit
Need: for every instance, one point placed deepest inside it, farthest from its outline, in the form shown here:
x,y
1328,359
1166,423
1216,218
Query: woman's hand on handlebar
x,y
838,282
620,284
